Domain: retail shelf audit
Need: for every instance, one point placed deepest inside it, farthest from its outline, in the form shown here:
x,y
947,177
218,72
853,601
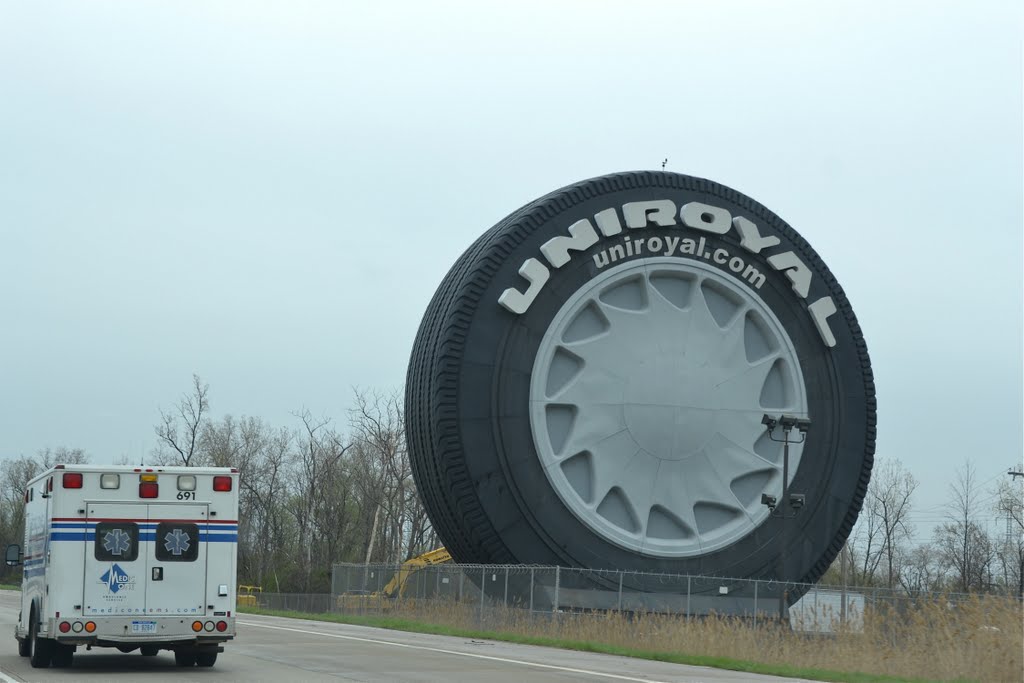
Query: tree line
x,y
976,547
312,494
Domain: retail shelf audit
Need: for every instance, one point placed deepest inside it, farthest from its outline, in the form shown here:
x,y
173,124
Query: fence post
x,y
755,603
620,590
462,581
531,591
483,592
401,588
505,602
558,577
688,598
817,612
842,570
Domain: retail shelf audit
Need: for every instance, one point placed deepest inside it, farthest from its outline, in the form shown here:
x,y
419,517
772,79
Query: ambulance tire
x,y
149,650
63,656
184,658
42,648
24,647
206,658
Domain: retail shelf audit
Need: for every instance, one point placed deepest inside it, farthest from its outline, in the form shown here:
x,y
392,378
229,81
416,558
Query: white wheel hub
x,y
646,401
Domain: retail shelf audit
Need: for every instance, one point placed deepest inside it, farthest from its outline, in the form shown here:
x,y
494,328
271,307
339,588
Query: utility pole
x,y
1009,509
1009,536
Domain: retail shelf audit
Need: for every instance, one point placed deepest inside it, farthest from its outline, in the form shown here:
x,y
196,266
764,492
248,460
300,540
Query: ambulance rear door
x,y
115,559
176,545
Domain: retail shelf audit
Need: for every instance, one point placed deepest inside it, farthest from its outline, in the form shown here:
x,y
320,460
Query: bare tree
x,y
865,546
180,429
378,431
219,443
48,457
962,542
320,451
889,502
263,524
922,570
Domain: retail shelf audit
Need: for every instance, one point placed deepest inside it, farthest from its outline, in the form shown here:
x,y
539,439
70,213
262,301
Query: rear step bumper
x,y
107,641
123,630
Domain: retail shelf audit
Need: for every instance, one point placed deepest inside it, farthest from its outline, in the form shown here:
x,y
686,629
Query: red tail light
x,y
65,627
222,626
221,483
72,480
148,489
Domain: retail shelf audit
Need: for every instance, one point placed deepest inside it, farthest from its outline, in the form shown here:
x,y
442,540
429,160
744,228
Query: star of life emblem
x,y
117,542
176,542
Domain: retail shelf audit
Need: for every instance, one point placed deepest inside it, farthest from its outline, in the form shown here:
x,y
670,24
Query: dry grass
x,y
979,639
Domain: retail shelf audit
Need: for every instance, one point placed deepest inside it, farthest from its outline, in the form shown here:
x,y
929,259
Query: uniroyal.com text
x,y
670,246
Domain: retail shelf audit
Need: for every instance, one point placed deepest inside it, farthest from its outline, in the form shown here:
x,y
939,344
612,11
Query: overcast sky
x,y
267,194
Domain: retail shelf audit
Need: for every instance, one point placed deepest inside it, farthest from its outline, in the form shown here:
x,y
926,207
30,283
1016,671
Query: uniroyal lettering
x,y
662,213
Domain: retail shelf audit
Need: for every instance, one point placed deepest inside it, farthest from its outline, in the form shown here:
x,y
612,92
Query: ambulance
x,y
135,558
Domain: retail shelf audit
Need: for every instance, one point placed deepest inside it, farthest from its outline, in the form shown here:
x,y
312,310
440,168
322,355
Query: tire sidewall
x,y
497,363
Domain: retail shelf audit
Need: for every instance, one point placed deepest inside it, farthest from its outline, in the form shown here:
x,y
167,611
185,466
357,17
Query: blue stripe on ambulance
x,y
209,538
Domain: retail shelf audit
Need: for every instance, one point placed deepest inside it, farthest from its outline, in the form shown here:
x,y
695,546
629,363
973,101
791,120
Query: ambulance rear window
x,y
177,542
117,541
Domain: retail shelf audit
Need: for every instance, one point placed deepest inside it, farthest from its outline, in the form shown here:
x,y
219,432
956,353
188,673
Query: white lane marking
x,y
4,678
585,672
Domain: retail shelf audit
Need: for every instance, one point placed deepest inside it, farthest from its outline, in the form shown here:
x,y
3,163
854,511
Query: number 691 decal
x,y
186,495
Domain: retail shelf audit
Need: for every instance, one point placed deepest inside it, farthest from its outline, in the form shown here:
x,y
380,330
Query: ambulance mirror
x,y
13,557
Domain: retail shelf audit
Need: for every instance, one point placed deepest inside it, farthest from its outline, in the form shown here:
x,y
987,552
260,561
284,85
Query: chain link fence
x,y
490,593
555,590
381,588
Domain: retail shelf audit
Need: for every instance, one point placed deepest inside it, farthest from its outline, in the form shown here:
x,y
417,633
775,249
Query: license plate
x,y
143,627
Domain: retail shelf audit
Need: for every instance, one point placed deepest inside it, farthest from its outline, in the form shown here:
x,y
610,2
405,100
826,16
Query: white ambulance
x,y
128,557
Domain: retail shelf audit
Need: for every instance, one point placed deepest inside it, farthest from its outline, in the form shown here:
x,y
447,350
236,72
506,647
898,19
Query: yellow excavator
x,y
247,596
395,588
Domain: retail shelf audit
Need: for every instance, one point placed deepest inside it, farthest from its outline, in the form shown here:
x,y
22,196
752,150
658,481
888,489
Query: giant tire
x,y
473,380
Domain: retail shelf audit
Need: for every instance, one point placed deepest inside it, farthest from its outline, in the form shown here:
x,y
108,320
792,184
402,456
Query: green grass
x,y
10,586
675,658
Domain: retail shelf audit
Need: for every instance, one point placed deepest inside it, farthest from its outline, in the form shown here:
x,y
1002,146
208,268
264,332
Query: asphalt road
x,y
276,649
